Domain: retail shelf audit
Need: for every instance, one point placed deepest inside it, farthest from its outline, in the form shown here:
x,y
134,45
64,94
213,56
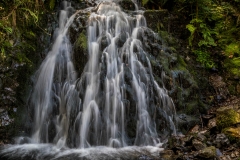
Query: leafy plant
x,y
204,58
198,28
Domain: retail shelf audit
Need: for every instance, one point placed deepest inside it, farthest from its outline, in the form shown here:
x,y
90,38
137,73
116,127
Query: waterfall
x,y
115,93
99,117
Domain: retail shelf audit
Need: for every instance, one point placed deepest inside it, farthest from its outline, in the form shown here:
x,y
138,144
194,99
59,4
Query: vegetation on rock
x,y
22,26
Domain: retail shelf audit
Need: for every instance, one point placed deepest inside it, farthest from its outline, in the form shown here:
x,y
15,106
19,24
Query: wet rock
x,y
219,86
198,145
209,152
185,122
167,155
5,120
104,42
201,137
127,5
226,117
212,123
144,157
178,142
121,39
195,129
221,140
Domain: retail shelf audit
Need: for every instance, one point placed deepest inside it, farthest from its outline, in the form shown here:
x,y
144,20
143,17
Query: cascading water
x,y
96,108
107,65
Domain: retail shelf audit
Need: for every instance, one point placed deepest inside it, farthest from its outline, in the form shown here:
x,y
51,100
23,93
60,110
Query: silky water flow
x,y
116,81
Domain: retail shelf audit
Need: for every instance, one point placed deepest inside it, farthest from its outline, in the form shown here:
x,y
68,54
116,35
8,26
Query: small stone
x,y
194,129
201,137
209,143
232,155
209,152
219,153
225,158
237,154
198,145
167,155
212,123
221,140
208,116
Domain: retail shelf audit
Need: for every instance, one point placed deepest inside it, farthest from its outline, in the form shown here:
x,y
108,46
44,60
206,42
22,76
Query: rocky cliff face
x,y
170,66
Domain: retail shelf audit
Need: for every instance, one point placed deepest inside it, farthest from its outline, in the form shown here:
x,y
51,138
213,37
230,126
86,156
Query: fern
x,y
204,58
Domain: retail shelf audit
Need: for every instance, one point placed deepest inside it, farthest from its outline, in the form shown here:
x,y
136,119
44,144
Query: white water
x,y
109,127
101,116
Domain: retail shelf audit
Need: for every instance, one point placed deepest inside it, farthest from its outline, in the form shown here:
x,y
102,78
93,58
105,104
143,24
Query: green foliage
x,y
214,27
52,4
19,27
232,48
198,27
204,58
192,30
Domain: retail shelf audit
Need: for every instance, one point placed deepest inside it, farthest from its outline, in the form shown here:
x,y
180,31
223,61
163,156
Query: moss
x,y
233,134
231,89
232,48
227,117
52,4
191,107
82,41
209,152
181,61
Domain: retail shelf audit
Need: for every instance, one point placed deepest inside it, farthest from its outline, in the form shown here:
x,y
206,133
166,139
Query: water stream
x,y
115,102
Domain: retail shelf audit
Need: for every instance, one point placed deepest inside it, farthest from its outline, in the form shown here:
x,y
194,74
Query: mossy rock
x,y
226,117
209,152
127,5
233,133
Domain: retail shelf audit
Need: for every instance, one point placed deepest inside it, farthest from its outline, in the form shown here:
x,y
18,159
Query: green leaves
x,y
6,28
192,30
200,28
204,58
